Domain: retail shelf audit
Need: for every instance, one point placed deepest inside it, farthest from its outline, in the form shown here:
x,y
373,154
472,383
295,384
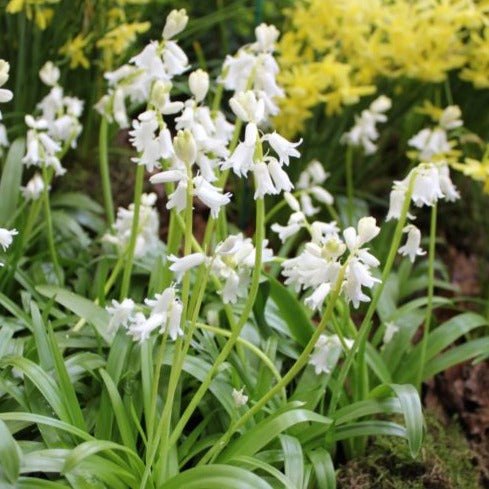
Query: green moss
x,y
445,462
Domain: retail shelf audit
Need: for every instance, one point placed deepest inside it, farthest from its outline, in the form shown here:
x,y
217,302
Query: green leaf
x,y
440,338
255,463
285,306
366,407
89,448
323,468
82,307
369,428
41,338
9,455
411,409
43,381
264,432
35,483
67,389
259,309
120,412
293,459
11,180
46,421
76,200
48,460
216,476
459,354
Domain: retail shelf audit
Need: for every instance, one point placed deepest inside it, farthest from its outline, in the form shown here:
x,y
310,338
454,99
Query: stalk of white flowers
x,y
120,313
147,240
431,182
412,248
5,95
319,264
181,265
233,262
175,23
364,133
269,175
198,82
326,353
254,67
239,398
34,188
433,143
6,238
4,142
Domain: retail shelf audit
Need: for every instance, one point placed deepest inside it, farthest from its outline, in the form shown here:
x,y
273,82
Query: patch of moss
x,y
445,462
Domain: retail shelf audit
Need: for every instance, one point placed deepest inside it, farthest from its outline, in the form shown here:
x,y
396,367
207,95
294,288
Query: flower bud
x,y
266,36
159,94
198,82
175,23
185,147
49,74
4,69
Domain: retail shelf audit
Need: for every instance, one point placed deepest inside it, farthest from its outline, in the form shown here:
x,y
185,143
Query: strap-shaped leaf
x,y
218,476
264,432
9,455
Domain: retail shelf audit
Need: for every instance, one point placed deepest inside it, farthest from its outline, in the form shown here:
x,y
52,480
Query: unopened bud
x,y
4,69
159,94
198,82
185,147
175,23
49,74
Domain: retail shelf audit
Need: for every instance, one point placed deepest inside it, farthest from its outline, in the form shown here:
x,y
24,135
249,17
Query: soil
x,y
446,461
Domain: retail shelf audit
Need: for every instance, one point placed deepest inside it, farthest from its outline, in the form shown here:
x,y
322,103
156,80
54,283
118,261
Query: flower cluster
x,y
147,241
326,353
56,128
270,177
165,314
5,96
318,266
364,133
6,238
254,68
233,263
430,180
335,52
134,81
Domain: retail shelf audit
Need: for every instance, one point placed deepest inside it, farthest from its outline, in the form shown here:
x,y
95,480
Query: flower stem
x,y
49,226
286,379
429,305
138,190
349,184
360,340
104,171
260,216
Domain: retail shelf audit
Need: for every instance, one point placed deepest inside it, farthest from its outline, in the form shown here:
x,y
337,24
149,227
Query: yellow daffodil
x,y
74,50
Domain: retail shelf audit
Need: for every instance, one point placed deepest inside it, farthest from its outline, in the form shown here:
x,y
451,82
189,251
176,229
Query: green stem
x,y
49,226
349,183
163,431
104,171
156,381
364,329
138,190
252,348
255,280
299,364
429,305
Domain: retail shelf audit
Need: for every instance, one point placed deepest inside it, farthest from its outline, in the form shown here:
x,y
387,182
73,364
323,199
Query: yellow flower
x,y
74,48
120,38
475,169
42,14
